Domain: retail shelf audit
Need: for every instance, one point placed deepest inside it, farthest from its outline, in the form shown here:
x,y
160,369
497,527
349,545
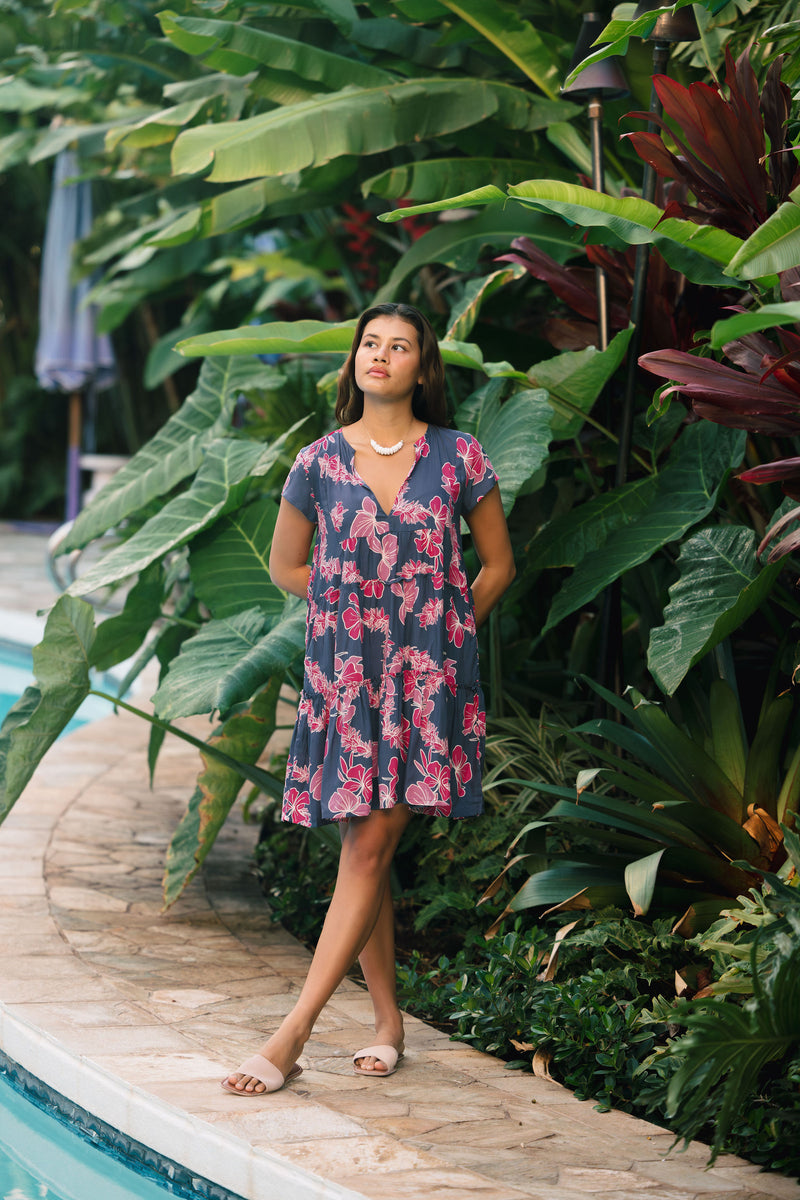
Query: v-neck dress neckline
x,y
423,437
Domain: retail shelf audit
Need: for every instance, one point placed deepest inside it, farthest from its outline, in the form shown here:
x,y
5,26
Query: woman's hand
x,y
288,556
487,524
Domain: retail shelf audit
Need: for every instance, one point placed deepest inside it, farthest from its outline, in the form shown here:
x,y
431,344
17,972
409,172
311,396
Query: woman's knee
x,y
369,843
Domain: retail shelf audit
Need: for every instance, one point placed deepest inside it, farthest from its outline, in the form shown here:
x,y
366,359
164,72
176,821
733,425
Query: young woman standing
x,y
391,719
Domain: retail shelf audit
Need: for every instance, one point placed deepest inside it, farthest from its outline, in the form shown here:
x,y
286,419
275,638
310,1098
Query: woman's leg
x,y
377,961
368,846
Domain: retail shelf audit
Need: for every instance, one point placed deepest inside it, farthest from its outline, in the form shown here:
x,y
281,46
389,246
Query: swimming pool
x,y
42,1157
16,674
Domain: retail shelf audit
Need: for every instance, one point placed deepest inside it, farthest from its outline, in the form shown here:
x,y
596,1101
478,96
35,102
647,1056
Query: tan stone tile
x,y
92,1014
422,1184
33,992
356,1154
85,900
120,1039
289,1128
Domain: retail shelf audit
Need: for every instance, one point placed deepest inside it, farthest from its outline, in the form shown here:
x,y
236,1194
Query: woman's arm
x,y
288,557
487,524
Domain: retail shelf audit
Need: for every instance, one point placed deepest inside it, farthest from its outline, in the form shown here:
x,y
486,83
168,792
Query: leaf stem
x,y
265,780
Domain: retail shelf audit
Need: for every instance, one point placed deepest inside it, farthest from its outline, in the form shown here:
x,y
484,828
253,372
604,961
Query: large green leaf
x,y
140,274
243,736
228,661
233,208
476,292
766,317
475,198
618,32
434,177
61,666
229,562
515,435
157,127
775,245
321,337
236,48
728,1045
176,451
569,539
279,337
467,354
685,493
640,881
720,585
515,37
575,379
458,244
119,637
701,252
354,120
227,464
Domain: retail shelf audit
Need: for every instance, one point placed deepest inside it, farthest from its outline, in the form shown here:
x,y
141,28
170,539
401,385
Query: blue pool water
x,y
42,1159
16,674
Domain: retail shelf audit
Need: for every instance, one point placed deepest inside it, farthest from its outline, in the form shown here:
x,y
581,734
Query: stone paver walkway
x,y
136,1014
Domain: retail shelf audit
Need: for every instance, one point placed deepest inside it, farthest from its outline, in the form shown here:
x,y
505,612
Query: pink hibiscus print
x,y
455,628
344,803
366,524
295,807
475,462
462,769
388,552
474,719
337,515
349,670
449,481
351,617
431,612
408,590
429,541
440,512
421,795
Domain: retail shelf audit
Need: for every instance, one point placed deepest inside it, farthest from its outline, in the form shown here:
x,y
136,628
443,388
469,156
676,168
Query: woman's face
x,y
387,361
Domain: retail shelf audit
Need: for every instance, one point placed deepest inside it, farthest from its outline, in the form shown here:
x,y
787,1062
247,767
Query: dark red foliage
x,y
360,243
759,393
673,311
721,145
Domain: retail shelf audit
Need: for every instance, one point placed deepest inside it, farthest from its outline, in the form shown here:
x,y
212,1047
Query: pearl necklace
x,y
386,449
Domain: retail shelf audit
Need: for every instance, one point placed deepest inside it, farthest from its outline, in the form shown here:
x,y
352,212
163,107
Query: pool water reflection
x,y
42,1159
16,674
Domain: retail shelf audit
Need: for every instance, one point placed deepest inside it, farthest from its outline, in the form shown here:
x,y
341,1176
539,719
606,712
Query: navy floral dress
x,y
391,708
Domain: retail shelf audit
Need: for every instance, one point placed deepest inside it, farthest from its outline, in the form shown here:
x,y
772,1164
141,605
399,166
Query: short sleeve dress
x,y
391,708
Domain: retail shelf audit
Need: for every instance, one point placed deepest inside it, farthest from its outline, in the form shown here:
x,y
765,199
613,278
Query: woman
x,y
391,719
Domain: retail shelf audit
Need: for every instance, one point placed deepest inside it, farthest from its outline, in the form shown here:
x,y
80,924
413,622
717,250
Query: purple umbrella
x,y
70,355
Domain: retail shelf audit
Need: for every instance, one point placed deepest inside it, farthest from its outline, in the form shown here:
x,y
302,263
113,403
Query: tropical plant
x,y
693,817
728,1046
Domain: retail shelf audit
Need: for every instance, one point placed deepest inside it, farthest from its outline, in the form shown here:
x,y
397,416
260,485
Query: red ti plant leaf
x,y
760,394
721,146
723,394
672,311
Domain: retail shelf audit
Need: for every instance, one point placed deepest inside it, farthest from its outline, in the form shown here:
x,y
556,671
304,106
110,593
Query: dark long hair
x,y
429,402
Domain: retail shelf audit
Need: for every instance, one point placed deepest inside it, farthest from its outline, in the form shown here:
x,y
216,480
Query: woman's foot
x,y
282,1050
390,1033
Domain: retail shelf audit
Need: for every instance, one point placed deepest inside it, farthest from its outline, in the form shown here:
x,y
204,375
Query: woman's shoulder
x,y
317,449
455,441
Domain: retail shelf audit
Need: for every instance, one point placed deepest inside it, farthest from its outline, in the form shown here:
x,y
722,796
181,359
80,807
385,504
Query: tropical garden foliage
x,y
263,171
